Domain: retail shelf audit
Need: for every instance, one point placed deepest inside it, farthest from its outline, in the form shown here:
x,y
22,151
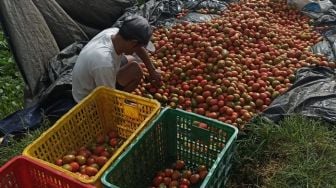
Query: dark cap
x,y
137,28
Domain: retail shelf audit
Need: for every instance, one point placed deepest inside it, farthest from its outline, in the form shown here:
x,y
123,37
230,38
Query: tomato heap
x,y
232,67
179,176
87,160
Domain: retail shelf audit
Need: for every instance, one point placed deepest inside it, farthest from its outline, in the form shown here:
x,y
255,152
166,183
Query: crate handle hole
x,y
131,102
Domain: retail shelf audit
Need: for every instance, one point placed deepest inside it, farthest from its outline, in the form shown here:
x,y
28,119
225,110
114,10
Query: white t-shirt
x,y
96,65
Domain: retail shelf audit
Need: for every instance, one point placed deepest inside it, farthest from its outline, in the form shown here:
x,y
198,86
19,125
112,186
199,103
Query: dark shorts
x,y
119,87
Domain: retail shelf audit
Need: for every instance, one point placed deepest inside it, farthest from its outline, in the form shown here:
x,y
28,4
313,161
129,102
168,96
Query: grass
x,y
298,152
11,82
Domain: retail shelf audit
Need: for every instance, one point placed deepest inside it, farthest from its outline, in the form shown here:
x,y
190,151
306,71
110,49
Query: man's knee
x,y
131,58
131,71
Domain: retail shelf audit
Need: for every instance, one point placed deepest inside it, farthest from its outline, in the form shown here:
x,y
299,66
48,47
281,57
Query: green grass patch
x,y
298,152
11,82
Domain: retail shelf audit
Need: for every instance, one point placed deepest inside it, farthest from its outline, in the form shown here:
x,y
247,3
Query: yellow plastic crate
x,y
103,110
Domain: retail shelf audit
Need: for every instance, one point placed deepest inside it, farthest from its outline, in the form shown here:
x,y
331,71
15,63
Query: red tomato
x,y
101,160
161,173
82,169
106,154
202,168
179,164
74,166
67,167
59,162
168,172
184,181
176,175
157,181
194,178
167,180
173,183
90,171
114,142
203,126
99,149
86,153
203,174
187,174
95,165
68,159
90,161
183,186
101,139
80,159
113,134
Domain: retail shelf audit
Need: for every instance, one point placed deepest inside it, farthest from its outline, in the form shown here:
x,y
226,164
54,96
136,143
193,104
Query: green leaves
x,y
3,42
11,83
11,95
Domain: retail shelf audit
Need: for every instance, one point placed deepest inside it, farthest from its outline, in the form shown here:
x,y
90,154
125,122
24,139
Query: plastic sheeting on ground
x,y
164,12
324,15
54,102
327,46
313,94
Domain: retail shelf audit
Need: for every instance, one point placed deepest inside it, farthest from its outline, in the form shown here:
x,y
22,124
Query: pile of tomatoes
x,y
87,160
179,176
232,67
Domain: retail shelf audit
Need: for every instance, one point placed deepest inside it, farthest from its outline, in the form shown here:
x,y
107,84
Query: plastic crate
x,y
173,136
22,172
103,110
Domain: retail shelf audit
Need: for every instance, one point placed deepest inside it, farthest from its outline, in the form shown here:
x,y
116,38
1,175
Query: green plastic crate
x,y
171,136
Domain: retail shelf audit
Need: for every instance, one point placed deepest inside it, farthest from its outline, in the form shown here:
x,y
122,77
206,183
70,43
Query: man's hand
x,y
154,75
155,78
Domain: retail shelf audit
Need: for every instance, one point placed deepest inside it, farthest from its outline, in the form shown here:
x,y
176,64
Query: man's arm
x,y
142,53
154,75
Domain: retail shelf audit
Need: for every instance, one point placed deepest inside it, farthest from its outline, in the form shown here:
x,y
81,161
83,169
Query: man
x,y
102,61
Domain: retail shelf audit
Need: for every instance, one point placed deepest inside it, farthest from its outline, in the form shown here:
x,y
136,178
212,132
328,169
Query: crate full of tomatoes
x,y
177,149
87,160
87,139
